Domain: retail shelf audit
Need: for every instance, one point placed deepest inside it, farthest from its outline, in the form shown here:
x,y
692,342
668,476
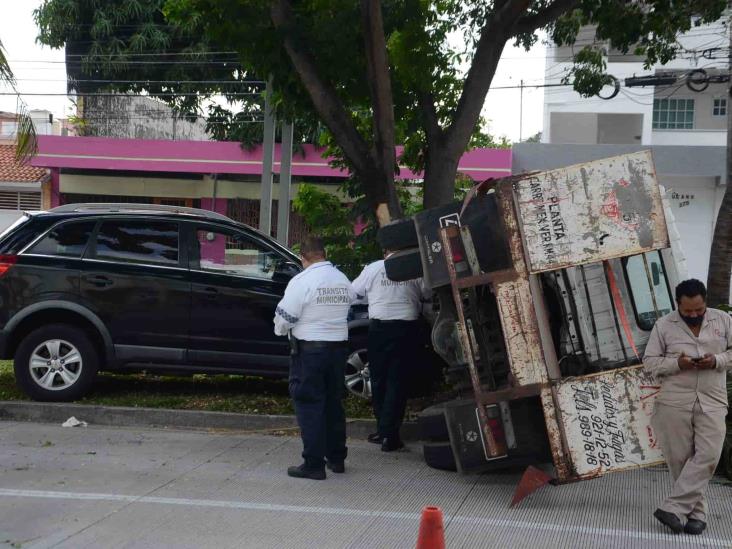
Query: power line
x,y
124,62
141,81
101,94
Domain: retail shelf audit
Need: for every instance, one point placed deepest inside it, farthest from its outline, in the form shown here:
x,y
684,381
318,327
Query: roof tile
x,y
13,171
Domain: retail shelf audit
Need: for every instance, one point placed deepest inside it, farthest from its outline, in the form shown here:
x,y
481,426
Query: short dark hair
x,y
691,288
312,247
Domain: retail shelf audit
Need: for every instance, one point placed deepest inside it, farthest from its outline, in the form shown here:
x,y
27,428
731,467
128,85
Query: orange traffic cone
x,y
431,531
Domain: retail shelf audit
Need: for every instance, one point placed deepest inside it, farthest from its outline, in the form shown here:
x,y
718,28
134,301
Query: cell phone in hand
x,y
697,359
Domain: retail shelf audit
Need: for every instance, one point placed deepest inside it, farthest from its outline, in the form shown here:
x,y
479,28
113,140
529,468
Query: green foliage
x,y
647,29
228,47
325,217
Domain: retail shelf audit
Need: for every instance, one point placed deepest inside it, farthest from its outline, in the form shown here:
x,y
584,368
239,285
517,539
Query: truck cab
x,y
548,285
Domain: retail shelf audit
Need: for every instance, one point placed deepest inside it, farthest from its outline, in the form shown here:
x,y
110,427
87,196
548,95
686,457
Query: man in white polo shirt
x,y
314,313
394,308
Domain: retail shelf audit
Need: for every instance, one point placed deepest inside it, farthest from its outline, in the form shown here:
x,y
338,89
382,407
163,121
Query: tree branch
x,y
492,40
377,66
326,101
432,122
529,23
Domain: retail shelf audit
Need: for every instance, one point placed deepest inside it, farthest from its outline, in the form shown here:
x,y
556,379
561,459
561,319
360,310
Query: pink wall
x,y
99,153
220,207
55,190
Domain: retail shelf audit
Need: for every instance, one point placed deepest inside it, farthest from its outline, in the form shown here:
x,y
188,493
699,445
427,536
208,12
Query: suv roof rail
x,y
114,207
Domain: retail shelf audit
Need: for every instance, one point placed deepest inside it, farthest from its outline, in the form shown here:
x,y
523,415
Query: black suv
x,y
88,287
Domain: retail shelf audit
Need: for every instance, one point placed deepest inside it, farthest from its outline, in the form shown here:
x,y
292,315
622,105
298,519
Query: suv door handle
x,y
99,280
210,292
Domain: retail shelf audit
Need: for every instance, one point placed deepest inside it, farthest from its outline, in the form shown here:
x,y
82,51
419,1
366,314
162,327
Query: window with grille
x,y
247,211
673,114
23,200
720,107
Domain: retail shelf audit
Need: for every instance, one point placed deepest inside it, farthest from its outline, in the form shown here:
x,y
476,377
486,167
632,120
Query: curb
x,y
118,416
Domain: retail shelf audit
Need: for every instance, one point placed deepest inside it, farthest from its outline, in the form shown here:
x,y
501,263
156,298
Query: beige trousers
x,y
692,444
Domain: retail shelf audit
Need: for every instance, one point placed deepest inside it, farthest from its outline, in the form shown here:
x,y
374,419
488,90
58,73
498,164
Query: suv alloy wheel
x,y
57,362
358,378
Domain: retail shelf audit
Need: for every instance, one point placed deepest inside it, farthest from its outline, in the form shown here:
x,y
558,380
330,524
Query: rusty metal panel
x,y
556,437
521,332
591,212
606,419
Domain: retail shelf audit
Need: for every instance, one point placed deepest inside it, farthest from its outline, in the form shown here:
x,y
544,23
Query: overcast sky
x,y
41,70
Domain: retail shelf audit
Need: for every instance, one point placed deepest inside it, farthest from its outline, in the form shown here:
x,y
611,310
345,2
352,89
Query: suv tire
x,y
66,376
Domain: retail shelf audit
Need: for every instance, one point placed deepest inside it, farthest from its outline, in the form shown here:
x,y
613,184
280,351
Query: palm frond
x,y
6,75
26,140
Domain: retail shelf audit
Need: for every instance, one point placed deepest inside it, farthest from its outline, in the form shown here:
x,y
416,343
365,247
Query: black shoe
x,y
695,527
302,471
670,520
376,438
336,467
390,444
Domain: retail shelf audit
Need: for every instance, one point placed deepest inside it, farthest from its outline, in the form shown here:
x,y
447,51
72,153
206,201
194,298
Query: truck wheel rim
x,y
358,378
55,365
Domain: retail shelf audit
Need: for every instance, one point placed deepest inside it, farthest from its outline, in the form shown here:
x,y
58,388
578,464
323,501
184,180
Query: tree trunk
x,y
720,258
379,77
379,186
439,177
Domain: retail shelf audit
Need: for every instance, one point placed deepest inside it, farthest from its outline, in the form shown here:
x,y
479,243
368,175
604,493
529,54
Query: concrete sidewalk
x,y
108,487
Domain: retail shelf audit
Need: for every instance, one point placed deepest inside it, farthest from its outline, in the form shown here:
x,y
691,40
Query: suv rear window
x,y
138,241
68,240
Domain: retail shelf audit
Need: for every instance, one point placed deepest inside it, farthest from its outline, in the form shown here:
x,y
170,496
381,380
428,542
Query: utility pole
x,y
521,112
283,208
265,203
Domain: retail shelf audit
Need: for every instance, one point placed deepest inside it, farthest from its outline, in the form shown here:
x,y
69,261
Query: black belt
x,y
304,344
378,321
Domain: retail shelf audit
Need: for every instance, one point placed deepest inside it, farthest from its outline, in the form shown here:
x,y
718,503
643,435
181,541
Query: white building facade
x,y
667,117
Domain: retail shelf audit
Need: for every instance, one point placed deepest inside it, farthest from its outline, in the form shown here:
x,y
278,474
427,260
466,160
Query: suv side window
x,y
146,241
231,252
643,290
67,240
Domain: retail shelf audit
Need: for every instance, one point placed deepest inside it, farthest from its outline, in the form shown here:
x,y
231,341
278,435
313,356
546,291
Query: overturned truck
x,y
547,287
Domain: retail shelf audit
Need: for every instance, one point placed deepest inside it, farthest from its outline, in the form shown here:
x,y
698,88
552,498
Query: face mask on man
x,y
693,321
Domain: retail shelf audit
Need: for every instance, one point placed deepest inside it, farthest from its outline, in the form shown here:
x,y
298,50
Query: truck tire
x,y
438,455
398,235
432,425
404,265
71,363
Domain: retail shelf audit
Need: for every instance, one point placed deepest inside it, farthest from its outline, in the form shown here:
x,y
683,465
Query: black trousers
x,y
392,345
316,387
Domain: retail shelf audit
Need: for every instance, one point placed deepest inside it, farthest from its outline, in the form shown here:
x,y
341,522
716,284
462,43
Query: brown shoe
x,y
670,520
695,527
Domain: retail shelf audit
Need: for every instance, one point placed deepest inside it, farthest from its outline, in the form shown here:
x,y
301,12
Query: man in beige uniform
x,y
689,353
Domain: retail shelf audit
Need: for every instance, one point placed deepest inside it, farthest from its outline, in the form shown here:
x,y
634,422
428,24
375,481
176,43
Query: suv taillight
x,y
7,261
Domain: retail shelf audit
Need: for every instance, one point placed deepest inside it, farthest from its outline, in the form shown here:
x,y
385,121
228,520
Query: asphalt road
x,y
122,487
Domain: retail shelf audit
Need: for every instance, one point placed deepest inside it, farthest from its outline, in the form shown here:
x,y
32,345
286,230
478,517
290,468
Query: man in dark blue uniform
x,y
313,312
